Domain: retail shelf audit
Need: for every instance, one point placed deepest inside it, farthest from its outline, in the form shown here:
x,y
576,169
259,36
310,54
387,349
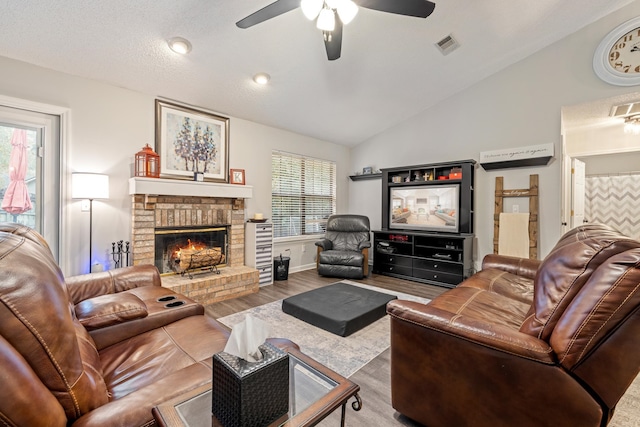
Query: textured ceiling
x,y
596,114
390,69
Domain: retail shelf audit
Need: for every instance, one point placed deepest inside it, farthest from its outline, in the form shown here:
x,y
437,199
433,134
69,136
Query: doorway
x,y
601,176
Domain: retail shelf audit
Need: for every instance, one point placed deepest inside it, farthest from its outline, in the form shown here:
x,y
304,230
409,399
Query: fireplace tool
x,y
119,251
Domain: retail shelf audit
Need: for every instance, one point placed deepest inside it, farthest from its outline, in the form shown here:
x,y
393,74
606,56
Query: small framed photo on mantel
x,y
236,176
368,170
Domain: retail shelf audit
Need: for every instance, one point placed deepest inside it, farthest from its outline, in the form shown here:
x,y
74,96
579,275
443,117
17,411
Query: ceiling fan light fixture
x,y
179,45
311,8
347,10
326,20
333,4
632,125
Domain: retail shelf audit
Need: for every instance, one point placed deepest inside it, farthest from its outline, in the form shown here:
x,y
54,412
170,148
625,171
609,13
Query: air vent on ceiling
x,y
447,45
625,110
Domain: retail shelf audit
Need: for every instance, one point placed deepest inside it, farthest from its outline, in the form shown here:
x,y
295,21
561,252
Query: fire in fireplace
x,y
186,250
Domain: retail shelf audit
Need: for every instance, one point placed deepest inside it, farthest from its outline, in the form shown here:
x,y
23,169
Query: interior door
x,y
577,192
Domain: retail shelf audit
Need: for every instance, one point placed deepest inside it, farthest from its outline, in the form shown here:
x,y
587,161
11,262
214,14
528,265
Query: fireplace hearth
x,y
166,212
189,250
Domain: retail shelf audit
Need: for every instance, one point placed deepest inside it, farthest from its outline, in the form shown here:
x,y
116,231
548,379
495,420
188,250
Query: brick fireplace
x,y
159,204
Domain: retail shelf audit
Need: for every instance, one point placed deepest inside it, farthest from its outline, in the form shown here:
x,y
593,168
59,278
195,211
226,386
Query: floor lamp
x,y
89,186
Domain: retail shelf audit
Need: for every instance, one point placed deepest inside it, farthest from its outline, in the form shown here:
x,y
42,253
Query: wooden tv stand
x,y
433,258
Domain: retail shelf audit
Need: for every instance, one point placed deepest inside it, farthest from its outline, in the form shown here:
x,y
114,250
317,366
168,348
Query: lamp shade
x,y
86,185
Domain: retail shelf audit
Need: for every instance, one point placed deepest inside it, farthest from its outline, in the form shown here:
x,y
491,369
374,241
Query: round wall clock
x,y
617,58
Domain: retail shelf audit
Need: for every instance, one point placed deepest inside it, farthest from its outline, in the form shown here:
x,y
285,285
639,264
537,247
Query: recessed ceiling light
x,y
262,78
180,45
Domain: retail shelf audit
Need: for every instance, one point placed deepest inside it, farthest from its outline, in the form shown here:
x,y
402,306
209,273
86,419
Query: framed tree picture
x,y
189,141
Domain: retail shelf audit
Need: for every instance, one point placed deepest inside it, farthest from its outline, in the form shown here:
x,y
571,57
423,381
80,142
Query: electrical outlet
x,y
304,248
516,208
84,205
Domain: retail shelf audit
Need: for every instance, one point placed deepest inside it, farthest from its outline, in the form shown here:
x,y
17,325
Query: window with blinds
x,y
303,194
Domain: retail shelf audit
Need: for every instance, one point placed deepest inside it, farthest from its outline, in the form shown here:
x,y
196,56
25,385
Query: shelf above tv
x,y
365,176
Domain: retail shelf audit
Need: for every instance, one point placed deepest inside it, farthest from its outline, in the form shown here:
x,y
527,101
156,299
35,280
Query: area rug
x,y
627,412
344,355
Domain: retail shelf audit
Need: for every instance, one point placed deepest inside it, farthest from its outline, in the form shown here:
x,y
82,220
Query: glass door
x,y
30,171
19,166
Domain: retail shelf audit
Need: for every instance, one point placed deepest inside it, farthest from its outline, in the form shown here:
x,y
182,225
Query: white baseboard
x,y
302,268
312,267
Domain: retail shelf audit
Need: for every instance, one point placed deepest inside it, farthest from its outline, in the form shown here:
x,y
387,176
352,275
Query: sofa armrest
x,y
363,245
109,310
519,266
475,331
325,244
92,285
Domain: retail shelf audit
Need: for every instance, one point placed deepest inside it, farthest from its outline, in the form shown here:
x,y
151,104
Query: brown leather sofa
x,y
523,342
94,350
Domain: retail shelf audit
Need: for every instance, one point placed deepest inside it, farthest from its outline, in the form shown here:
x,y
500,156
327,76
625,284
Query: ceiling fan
x,y
331,15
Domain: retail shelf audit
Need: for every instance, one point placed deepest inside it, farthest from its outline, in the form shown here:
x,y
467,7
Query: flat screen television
x,y
425,207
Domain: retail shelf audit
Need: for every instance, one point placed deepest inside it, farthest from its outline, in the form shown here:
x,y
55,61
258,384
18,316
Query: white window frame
x,y
54,172
322,180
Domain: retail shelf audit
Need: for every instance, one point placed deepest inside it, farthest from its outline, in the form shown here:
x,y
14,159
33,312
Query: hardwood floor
x,y
309,279
373,378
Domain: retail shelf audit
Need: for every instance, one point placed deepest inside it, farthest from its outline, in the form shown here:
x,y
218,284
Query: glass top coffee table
x,y
315,391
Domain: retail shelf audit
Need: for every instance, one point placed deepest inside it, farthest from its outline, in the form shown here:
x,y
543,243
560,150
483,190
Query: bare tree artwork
x,y
197,148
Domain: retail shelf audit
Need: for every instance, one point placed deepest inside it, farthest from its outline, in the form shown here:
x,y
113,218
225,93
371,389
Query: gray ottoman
x,y
340,308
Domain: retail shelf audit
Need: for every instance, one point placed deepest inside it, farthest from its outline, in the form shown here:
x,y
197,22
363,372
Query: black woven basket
x,y
250,394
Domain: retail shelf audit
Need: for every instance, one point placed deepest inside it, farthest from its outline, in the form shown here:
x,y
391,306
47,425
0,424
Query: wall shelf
x,y
365,176
536,161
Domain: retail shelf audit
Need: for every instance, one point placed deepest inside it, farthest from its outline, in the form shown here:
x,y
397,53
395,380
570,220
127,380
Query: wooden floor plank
x,y
373,378
308,280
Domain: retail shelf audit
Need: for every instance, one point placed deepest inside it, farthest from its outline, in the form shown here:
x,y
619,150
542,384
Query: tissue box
x,y
247,394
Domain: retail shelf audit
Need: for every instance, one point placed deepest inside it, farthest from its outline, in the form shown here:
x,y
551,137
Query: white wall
x,y
594,141
518,106
108,125
612,163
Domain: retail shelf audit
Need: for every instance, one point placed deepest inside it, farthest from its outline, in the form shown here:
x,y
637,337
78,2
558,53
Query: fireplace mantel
x,y
176,187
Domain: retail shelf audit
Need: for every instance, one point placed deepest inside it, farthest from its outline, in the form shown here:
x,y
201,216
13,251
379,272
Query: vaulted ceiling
x,y
389,71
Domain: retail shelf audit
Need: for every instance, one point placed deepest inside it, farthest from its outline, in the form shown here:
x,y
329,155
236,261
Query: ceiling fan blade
x,y
334,44
271,11
417,8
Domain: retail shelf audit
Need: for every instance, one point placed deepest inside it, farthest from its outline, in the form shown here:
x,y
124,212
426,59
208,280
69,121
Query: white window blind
x,y
303,194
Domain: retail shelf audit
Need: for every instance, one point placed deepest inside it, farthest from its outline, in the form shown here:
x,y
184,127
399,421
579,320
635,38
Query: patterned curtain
x,y
614,200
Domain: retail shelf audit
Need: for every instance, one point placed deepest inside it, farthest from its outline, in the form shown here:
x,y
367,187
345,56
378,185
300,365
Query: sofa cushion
x,y
353,259
346,232
149,357
37,319
502,282
111,309
566,269
22,392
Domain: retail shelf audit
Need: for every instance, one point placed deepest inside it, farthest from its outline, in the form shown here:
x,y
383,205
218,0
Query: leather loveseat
x,y
95,350
523,342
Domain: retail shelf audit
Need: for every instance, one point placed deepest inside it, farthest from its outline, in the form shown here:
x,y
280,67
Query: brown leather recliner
x,y
522,342
97,350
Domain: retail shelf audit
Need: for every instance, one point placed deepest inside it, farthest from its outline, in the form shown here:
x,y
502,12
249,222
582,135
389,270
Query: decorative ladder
x,y
532,194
